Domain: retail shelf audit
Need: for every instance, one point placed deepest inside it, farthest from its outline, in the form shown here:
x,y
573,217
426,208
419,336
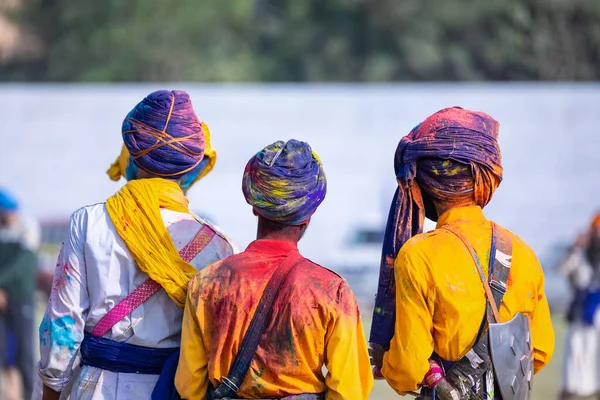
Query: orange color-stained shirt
x,y
315,323
440,299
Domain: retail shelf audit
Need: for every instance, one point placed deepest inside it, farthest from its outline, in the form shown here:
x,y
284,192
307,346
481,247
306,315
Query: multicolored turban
x,y
285,182
451,157
163,136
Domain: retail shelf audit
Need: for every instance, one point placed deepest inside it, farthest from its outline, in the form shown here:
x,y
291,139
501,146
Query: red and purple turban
x,y
285,182
450,157
163,134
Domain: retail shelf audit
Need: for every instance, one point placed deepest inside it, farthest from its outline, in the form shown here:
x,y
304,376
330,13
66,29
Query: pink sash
x,y
148,288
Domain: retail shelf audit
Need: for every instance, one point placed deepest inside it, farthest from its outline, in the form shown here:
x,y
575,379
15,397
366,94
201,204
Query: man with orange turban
x,y
122,274
436,317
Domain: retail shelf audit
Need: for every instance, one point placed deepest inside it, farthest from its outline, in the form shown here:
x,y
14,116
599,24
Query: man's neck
x,y
443,208
283,236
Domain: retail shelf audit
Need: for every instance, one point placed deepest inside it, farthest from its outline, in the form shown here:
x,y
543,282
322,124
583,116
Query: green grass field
x,y
546,383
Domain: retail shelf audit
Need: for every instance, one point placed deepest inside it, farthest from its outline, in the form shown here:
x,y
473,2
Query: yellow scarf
x,y
135,212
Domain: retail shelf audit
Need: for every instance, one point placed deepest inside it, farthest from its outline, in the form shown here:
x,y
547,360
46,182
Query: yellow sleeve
x,y
191,379
542,332
346,356
407,361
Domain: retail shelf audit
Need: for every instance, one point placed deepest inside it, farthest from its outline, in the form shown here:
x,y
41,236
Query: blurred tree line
x,y
308,40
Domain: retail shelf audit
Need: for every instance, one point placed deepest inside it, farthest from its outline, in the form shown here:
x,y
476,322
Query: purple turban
x,y
285,182
163,134
450,157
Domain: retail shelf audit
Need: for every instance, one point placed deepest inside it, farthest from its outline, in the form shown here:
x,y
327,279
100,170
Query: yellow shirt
x,y
315,323
440,300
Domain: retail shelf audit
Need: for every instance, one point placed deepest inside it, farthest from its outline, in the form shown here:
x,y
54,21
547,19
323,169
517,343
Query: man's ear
x,y
304,226
254,212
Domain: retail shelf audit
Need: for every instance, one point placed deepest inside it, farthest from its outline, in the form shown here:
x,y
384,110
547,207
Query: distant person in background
x,y
123,271
18,273
311,321
581,364
443,294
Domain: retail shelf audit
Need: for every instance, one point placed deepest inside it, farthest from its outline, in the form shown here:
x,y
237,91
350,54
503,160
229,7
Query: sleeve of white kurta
x,y
61,330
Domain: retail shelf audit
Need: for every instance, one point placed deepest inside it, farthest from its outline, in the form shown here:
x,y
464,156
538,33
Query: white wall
x,y
57,141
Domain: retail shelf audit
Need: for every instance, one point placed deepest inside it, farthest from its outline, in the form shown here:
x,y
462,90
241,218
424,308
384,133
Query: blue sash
x,y
591,303
121,357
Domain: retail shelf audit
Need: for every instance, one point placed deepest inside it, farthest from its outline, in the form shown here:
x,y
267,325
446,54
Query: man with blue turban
x,y
18,272
263,323
122,274
450,300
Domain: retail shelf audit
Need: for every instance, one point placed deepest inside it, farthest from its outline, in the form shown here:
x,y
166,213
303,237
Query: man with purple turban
x,y
263,323
443,294
122,274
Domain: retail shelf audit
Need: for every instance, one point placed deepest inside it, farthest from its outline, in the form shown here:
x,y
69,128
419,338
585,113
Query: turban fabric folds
x,y
285,182
450,157
163,136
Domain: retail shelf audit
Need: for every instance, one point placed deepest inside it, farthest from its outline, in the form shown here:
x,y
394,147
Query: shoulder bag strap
x,y
230,384
147,289
502,260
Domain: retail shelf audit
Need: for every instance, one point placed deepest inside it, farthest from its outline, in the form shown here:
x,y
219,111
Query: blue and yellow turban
x,y
285,182
163,136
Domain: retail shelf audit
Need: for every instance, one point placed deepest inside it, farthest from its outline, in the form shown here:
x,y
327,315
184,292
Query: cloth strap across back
x,y
499,267
150,287
477,363
230,384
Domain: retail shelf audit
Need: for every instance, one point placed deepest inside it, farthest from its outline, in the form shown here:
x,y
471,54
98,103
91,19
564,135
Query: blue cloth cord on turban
x,y
285,182
163,134
450,157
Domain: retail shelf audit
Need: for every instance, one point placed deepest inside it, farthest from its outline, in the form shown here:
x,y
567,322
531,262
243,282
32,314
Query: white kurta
x,y
94,272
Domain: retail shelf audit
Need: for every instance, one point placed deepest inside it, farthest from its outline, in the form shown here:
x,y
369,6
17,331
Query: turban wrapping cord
x,y
451,156
285,182
163,136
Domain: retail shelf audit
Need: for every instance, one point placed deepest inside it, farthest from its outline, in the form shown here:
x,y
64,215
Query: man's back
x,y
315,323
96,272
436,266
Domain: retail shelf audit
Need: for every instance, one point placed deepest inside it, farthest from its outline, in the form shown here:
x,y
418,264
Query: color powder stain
x,y
61,332
44,330
509,281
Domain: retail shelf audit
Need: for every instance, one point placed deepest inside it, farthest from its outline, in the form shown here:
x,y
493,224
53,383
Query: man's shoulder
x,y
89,211
323,272
219,234
520,248
424,240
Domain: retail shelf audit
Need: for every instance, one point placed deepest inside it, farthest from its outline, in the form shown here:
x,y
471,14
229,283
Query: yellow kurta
x,y
315,323
440,300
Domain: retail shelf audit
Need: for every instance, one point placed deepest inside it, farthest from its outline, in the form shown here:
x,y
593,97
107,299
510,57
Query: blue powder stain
x,y
61,333
44,330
